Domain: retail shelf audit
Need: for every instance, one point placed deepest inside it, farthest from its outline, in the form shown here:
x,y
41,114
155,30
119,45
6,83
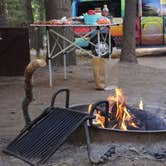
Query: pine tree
x,y
129,41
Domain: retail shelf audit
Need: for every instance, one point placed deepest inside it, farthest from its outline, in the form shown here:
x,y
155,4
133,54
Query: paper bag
x,y
99,72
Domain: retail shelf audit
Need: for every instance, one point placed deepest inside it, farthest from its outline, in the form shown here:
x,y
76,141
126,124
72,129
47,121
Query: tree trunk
x,y
29,13
129,41
56,10
41,30
38,34
2,14
30,20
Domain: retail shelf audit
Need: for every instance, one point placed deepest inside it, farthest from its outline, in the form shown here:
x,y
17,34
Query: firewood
x,y
31,67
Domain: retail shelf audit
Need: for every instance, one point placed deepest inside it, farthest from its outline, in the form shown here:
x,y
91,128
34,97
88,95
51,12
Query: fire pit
x,y
115,114
109,121
117,121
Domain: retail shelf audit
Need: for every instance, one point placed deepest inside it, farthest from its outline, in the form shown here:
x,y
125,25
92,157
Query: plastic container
x,y
82,42
91,19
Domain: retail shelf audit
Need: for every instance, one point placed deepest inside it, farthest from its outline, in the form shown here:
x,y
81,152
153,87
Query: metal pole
x,y
64,58
62,51
90,156
98,36
72,43
110,44
88,141
64,63
49,57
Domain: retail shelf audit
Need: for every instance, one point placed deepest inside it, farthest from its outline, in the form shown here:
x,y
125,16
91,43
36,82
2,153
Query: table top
x,y
73,25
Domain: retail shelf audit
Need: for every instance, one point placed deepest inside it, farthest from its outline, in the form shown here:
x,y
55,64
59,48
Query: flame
x,y
123,117
141,105
99,120
89,108
120,116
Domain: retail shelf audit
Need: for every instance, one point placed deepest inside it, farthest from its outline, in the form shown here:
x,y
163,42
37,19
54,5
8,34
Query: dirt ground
x,y
146,80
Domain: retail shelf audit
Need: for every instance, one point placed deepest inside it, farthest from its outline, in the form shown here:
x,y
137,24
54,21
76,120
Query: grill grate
x,y
46,134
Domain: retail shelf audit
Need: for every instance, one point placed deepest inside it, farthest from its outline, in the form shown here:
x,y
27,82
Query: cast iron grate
x,y
46,134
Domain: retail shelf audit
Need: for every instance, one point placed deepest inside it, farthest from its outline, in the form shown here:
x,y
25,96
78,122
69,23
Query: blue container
x,y
82,42
91,19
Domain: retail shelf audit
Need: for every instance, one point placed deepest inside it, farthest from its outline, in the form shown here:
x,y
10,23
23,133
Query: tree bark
x,y
29,13
56,10
129,41
30,20
40,30
3,21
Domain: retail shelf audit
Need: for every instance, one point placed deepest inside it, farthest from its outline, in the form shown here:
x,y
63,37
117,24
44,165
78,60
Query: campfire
x,y
116,114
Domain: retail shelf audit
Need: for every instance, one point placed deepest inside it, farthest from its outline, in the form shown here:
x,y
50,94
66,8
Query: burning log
x,y
31,67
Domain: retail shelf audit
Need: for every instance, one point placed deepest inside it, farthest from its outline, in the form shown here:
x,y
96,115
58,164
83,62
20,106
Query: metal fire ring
x,y
82,107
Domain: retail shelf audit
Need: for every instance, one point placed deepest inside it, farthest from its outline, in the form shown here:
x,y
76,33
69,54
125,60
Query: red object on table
x,y
91,12
81,30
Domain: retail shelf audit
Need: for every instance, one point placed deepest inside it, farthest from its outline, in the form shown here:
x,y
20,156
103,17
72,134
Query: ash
x,y
125,154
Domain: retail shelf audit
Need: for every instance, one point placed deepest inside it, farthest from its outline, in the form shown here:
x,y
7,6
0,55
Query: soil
x,y
146,80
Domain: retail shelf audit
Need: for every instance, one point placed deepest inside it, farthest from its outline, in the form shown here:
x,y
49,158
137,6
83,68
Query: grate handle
x,y
58,92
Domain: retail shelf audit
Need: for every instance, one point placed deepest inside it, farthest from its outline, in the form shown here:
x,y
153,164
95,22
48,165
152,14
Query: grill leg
x,y
102,158
90,156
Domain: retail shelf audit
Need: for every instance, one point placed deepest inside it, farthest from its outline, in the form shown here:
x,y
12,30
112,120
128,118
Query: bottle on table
x,y
105,11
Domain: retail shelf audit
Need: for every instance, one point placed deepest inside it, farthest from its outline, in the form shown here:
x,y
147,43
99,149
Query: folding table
x,y
96,29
